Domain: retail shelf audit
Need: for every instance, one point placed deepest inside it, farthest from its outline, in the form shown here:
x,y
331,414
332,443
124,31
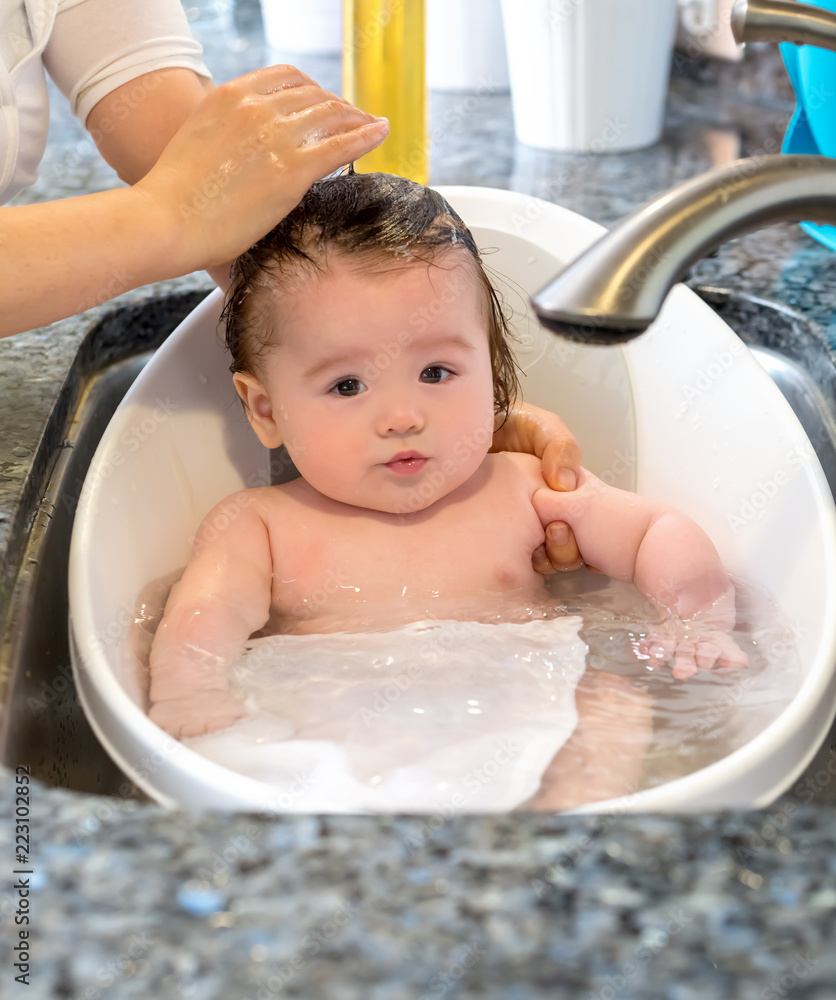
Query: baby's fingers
x,y
204,712
657,646
707,654
715,651
731,656
685,663
719,650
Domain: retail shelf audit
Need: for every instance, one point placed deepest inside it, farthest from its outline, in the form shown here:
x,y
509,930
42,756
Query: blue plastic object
x,y
812,129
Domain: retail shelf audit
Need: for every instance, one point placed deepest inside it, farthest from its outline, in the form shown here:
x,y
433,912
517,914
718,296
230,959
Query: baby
x,y
367,339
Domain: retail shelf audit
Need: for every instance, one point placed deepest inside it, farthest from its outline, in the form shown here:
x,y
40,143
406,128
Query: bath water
x,y
702,719
470,690
428,715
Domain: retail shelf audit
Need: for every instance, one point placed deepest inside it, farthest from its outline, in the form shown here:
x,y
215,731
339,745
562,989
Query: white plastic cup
x,y
705,30
466,46
589,75
312,27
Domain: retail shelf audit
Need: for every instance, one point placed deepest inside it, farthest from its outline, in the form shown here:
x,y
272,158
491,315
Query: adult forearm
x,y
60,258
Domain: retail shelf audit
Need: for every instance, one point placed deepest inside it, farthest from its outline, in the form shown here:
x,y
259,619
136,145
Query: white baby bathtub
x,y
684,413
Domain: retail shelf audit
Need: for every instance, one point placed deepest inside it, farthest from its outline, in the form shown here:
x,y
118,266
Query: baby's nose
x,y
401,418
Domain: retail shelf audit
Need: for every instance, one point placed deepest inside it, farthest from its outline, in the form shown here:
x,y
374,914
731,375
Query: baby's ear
x,y
259,408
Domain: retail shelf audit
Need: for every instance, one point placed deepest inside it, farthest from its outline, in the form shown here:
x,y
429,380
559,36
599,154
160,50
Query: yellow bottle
x,y
383,73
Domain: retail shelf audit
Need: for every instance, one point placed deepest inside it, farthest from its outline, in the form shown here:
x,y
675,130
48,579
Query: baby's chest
x,y
326,563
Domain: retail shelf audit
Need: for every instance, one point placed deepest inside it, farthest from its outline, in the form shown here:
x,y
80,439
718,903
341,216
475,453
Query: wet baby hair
x,y
380,220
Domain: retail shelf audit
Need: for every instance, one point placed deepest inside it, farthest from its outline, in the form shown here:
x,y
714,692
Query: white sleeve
x,y
97,45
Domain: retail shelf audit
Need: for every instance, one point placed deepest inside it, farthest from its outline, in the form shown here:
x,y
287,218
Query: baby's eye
x,y
435,373
348,387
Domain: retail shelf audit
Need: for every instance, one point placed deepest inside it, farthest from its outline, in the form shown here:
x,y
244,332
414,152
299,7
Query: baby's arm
x,y
665,554
221,599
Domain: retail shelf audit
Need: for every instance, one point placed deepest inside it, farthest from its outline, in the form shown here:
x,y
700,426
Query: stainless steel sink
x,y
41,721
808,402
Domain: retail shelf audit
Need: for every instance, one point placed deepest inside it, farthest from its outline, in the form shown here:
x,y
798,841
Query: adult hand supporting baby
x,y
237,165
539,432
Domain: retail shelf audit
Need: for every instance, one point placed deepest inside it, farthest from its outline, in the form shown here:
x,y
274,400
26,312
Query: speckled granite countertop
x,y
128,900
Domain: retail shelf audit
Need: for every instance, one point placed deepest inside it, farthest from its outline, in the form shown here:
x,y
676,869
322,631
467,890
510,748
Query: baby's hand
x,y
692,646
201,713
701,641
190,692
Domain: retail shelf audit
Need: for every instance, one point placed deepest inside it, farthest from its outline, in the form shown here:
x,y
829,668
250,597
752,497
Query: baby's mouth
x,y
407,463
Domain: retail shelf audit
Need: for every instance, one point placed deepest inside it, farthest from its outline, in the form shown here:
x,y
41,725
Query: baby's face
x,y
380,386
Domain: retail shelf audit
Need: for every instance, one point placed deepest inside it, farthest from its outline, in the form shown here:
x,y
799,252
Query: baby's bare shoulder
x,y
242,500
271,502
244,507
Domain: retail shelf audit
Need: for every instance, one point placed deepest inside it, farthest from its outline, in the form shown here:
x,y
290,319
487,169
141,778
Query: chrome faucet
x,y
615,289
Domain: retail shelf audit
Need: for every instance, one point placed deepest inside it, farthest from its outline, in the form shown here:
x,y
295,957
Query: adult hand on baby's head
x,y
539,432
245,158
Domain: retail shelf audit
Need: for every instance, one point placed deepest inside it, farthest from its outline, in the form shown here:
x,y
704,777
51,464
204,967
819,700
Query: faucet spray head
x,y
591,330
783,21
615,289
